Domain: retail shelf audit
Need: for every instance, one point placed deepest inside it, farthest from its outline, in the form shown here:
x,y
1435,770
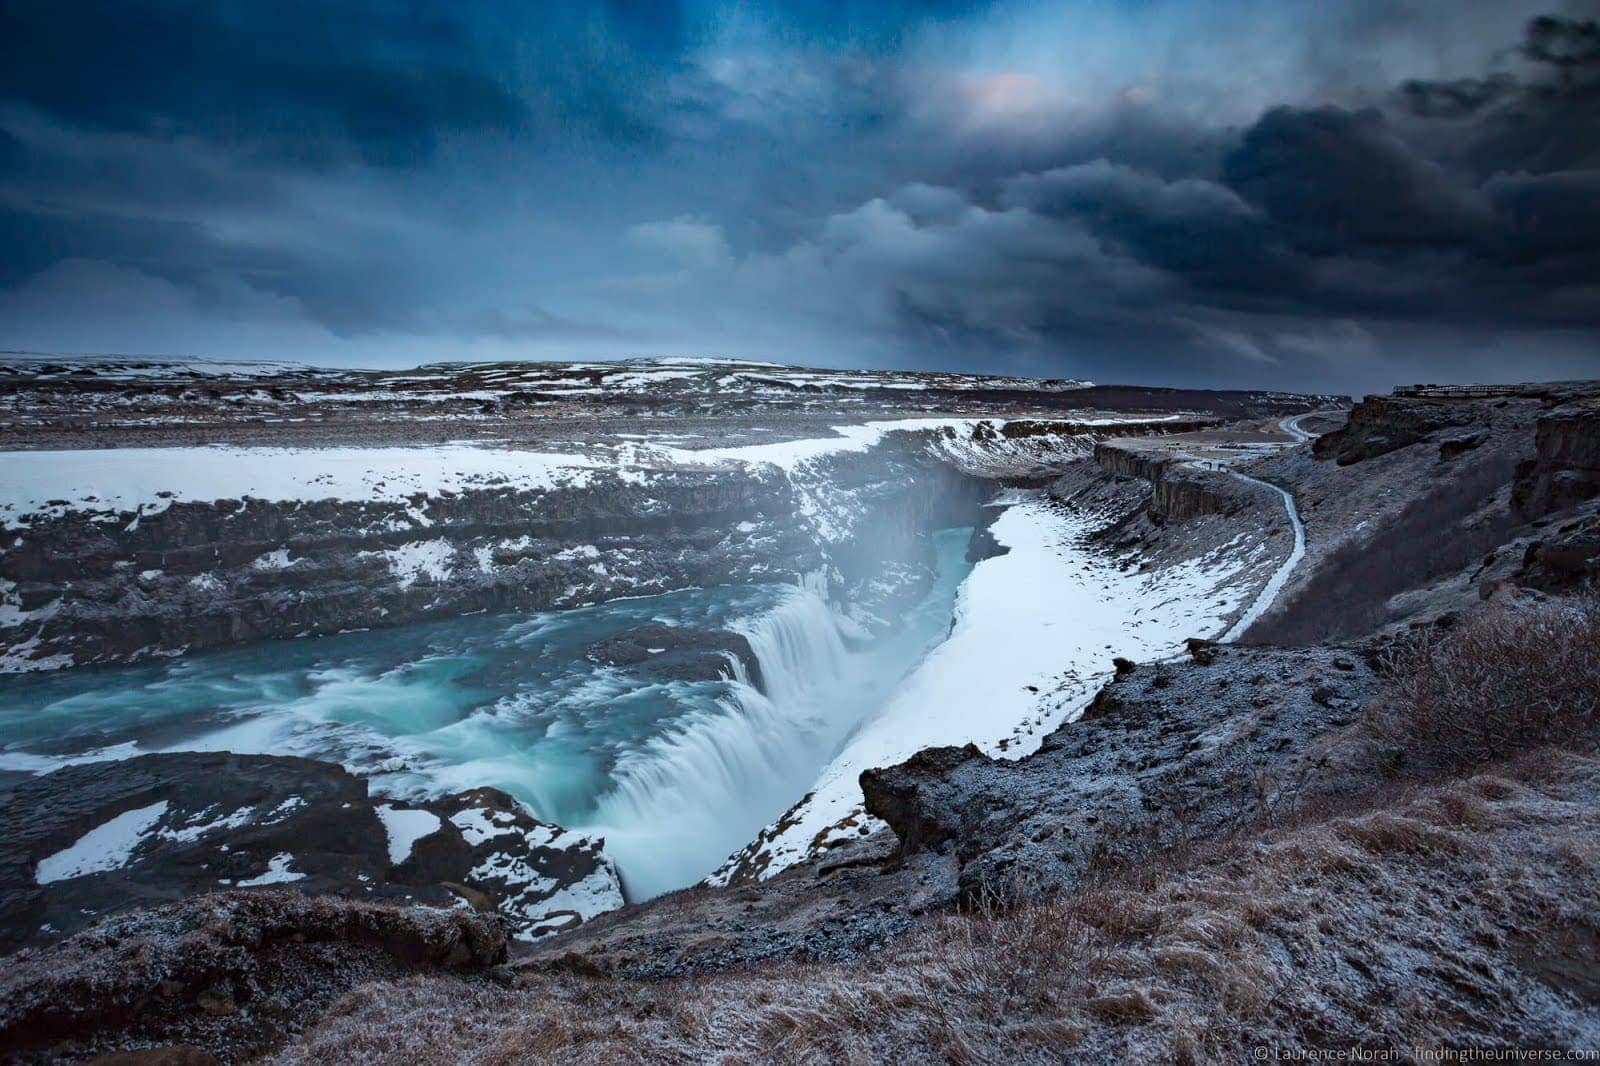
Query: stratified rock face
x,y
1566,468
1178,492
236,972
103,587
1381,424
97,838
1167,752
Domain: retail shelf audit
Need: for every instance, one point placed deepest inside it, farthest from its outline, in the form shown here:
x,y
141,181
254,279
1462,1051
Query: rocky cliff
x,y
92,585
100,838
1565,469
1382,424
1179,490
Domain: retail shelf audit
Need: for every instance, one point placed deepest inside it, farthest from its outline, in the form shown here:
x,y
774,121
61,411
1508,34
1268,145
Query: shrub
x,y
1513,678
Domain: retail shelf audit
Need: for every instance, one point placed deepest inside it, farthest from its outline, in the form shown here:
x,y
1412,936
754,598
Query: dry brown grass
x,y
1512,678
1389,926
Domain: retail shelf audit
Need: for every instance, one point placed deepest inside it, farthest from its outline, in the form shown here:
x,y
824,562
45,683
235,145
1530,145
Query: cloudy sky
x,y
1292,193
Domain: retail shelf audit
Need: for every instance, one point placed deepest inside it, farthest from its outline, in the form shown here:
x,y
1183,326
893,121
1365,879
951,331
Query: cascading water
x,y
675,774
798,644
703,788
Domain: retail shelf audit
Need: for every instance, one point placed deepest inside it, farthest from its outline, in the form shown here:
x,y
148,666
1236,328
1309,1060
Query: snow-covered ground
x,y
149,480
1034,635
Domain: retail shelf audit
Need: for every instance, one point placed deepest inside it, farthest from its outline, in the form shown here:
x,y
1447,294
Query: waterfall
x,y
696,792
798,644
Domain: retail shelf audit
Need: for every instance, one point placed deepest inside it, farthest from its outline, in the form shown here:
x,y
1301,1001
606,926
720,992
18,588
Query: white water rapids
x,y
694,794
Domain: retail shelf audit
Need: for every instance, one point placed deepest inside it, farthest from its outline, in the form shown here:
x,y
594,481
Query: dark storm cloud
x,y
1333,179
1319,215
307,82
1545,118
1251,191
1316,217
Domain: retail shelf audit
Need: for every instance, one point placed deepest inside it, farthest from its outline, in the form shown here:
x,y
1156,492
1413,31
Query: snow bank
x,y
151,479
1035,632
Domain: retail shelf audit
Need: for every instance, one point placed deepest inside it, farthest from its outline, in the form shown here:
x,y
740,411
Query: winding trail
x,y
1280,577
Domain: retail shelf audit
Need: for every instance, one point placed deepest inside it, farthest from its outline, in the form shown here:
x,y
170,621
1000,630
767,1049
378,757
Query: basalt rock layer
x,y
98,838
1179,491
1565,469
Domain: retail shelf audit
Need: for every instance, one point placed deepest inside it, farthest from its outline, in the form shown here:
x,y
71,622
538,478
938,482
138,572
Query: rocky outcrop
x,y
1179,490
539,877
892,794
672,653
1381,424
94,839
1564,554
236,973
1565,469
1166,753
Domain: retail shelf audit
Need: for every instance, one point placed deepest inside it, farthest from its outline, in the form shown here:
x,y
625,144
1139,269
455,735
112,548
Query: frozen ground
x,y
146,481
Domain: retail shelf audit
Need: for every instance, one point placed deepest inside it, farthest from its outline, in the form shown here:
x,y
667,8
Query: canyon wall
x,y
85,586
1178,492
1565,469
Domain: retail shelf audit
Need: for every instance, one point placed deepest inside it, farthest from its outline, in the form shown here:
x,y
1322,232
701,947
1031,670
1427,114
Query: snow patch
x,y
107,846
410,561
273,560
405,828
278,872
